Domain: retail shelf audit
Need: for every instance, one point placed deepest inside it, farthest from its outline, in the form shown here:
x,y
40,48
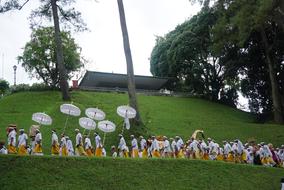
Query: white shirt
x,y
22,140
88,143
193,145
203,146
240,147
155,145
3,150
63,142
143,144
179,144
227,148
174,145
78,139
122,144
134,144
12,135
69,146
98,141
38,138
210,146
167,146
54,139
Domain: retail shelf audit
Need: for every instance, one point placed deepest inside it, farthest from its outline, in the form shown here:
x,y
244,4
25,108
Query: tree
x,y
49,9
4,86
130,71
39,56
239,20
186,54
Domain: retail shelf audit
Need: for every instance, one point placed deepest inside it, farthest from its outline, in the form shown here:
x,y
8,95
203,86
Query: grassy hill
x,y
162,115
83,173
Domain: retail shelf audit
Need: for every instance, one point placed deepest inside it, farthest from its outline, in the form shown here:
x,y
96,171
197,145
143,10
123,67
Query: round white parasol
x,y
107,127
87,123
69,109
95,113
42,118
126,112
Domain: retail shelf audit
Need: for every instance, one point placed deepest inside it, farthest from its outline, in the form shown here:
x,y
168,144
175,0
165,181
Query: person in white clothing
x,y
99,145
79,150
122,148
38,143
174,147
167,147
134,147
63,146
22,143
88,146
155,148
12,141
69,146
54,143
143,147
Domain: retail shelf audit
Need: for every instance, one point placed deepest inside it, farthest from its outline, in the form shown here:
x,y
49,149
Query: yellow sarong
x,y
156,154
64,151
230,157
22,150
180,154
12,149
134,153
205,156
220,157
144,153
99,152
244,157
125,154
80,151
38,148
55,149
89,152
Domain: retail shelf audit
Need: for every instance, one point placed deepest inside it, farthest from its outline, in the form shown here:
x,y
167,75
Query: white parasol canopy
x,y
95,113
87,123
70,109
106,126
42,118
126,112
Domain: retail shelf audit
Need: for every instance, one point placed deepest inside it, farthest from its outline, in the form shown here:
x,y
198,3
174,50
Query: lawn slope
x,y
83,173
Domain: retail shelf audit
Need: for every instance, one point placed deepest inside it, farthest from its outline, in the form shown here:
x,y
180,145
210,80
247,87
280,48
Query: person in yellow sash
x,y
174,147
220,155
12,141
88,146
167,147
63,146
54,143
180,146
143,147
22,143
122,148
134,147
155,148
38,144
79,150
99,145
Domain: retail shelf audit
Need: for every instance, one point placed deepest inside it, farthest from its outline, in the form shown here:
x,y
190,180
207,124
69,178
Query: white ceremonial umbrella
x,y
95,113
127,113
69,109
42,118
107,127
87,123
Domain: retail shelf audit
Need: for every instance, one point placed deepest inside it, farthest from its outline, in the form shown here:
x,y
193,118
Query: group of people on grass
x,y
154,147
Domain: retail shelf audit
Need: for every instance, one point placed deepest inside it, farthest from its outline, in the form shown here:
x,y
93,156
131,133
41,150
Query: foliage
x,y
4,86
107,173
26,87
39,56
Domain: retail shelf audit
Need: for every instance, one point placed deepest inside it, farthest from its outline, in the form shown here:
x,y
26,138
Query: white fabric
x,y
3,150
69,146
134,144
88,143
38,138
155,145
193,145
167,146
63,142
12,137
78,139
174,146
210,146
122,144
143,144
98,141
203,146
240,147
54,139
179,144
22,140
227,148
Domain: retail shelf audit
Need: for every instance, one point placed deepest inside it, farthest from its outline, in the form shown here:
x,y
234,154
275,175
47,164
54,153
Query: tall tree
x,y
49,9
130,71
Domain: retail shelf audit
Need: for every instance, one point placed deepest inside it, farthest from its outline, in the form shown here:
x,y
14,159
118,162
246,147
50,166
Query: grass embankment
x,y
162,115
82,173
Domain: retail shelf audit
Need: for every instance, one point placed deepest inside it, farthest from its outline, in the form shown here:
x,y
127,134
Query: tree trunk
x,y
276,98
130,73
59,54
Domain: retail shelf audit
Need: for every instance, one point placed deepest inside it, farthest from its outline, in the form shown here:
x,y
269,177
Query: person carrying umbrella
x,y
79,150
22,143
12,141
98,141
134,147
38,143
54,143
88,146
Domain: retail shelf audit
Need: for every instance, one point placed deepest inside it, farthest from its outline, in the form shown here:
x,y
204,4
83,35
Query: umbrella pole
x,y
89,132
65,123
104,139
122,129
84,131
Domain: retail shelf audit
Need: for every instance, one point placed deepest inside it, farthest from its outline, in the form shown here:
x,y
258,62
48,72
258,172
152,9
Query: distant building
x,y
118,82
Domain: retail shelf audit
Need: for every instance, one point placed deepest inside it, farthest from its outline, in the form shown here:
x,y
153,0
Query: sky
x,y
102,46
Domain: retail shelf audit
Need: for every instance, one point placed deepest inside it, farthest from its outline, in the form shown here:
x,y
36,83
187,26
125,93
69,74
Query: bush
x,y
33,87
4,86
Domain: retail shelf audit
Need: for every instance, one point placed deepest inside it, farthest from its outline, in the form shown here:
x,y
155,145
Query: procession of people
x,y
153,147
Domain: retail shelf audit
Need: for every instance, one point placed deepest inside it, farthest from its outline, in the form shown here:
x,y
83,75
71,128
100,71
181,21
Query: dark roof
x,y
112,80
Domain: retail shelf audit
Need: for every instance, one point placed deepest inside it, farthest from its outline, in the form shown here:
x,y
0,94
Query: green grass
x,y
83,173
162,115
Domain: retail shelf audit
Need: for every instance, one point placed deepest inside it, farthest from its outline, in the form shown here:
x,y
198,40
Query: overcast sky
x,y
103,45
